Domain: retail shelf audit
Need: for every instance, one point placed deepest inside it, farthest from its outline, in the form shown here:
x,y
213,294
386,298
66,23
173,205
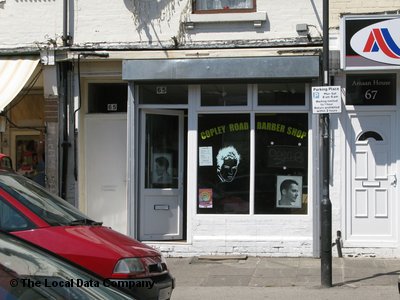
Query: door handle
x,y
394,181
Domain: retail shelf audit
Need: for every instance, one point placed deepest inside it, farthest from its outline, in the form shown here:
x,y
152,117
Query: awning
x,y
249,68
14,73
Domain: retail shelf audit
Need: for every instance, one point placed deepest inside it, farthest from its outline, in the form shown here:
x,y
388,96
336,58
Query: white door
x,y
105,161
161,167
371,207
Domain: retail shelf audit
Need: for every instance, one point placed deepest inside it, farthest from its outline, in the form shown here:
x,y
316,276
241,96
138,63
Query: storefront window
x,y
281,94
223,163
223,94
281,148
107,98
163,94
30,157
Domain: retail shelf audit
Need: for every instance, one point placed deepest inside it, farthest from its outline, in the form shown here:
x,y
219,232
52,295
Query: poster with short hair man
x,y
289,191
162,167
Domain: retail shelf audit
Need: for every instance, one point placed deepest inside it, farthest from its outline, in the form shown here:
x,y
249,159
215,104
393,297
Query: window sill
x,y
256,17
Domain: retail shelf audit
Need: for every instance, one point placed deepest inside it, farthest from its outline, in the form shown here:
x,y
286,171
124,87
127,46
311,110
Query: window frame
x,y
222,11
253,109
227,108
282,108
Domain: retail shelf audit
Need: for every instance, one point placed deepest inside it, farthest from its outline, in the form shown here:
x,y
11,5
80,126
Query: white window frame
x,y
220,8
251,108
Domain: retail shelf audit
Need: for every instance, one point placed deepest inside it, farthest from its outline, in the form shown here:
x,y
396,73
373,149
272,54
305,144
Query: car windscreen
x,y
27,272
52,209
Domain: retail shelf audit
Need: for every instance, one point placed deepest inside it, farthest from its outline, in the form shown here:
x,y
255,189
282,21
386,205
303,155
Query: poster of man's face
x,y
162,168
289,191
228,160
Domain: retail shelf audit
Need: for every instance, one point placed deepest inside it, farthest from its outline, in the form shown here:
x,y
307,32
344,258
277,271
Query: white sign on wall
x,y
326,99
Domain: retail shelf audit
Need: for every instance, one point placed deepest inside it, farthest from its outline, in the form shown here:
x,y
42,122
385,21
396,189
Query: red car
x,y
32,213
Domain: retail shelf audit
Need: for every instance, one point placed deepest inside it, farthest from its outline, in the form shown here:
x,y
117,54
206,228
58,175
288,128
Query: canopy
x,y
14,73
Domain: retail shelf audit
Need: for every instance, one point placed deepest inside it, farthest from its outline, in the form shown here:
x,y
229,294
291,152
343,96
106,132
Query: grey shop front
x,y
186,116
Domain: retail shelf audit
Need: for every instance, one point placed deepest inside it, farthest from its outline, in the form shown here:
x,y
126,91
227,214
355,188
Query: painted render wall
x,y
155,22
30,23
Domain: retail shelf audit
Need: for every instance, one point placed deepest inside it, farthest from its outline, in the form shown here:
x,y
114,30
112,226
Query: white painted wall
x,y
155,22
152,23
27,23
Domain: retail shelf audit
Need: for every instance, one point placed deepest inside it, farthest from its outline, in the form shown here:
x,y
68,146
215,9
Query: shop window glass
x,y
281,166
223,163
223,6
107,97
281,94
163,94
224,95
29,156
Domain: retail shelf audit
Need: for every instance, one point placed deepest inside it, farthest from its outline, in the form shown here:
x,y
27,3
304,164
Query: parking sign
x,y
326,99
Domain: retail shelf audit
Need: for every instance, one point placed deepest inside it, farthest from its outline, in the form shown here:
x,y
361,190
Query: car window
x,y
11,219
50,208
27,272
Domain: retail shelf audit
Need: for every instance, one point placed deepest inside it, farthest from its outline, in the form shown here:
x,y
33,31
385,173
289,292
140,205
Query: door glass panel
x,y
162,144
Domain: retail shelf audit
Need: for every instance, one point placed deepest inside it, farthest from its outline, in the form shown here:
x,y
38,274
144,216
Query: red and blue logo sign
x,y
379,42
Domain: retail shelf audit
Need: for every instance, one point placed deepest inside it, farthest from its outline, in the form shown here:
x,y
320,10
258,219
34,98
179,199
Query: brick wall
x,y
338,7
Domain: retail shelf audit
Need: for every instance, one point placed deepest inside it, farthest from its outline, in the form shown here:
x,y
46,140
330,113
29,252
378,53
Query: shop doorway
x,y
161,175
371,207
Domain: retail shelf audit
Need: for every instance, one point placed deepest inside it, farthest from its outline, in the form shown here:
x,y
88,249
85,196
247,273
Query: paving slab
x,y
281,272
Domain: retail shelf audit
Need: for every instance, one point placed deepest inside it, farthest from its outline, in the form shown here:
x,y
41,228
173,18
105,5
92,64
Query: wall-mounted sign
x,y
371,89
326,99
371,42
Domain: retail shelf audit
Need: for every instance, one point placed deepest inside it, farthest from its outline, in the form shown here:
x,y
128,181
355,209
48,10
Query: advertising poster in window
x,y
224,163
289,191
205,198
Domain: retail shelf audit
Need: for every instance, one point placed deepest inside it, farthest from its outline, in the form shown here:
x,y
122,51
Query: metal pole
x,y
326,207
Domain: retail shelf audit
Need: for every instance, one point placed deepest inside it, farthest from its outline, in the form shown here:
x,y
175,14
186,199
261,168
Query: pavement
x,y
241,277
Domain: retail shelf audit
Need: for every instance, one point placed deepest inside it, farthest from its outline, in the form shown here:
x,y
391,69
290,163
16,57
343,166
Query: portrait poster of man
x,y
289,191
162,168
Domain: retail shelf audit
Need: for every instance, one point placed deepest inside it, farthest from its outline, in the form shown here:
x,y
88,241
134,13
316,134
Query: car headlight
x,y
129,265
163,260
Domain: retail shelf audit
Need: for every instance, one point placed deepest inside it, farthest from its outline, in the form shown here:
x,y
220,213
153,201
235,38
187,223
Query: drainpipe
x,y
64,69
66,37
65,84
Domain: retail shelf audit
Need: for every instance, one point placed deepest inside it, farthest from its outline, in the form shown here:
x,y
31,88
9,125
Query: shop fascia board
x,y
195,53
299,66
